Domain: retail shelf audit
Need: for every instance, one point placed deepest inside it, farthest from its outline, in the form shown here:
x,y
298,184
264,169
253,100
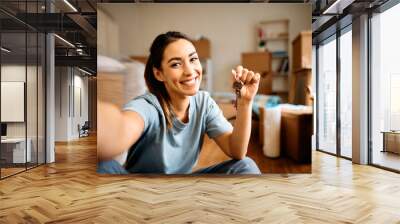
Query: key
x,y
237,86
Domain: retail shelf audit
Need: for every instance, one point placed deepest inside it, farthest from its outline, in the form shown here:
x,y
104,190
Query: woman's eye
x,y
175,65
194,59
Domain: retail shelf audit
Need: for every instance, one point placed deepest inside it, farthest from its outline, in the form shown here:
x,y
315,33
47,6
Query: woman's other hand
x,y
117,130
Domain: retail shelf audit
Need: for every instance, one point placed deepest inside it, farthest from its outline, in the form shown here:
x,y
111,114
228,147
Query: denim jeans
x,y
233,166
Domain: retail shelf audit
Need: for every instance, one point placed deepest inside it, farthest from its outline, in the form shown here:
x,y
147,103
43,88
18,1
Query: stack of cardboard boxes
x,y
302,62
297,125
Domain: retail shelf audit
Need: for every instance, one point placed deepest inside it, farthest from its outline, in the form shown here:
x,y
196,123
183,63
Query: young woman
x,y
164,129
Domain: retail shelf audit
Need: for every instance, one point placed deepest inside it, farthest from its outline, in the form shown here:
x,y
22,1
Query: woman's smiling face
x,y
181,70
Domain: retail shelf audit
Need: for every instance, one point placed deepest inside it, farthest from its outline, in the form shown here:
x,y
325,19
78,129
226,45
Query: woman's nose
x,y
188,68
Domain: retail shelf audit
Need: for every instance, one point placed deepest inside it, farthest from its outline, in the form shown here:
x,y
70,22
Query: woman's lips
x,y
190,82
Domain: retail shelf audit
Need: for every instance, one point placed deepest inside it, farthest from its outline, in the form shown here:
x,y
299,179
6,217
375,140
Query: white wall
x,y
17,73
107,34
62,81
68,82
14,72
84,85
80,103
231,28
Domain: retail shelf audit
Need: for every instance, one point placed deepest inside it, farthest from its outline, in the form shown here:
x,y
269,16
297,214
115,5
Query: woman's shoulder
x,y
202,95
148,96
202,99
145,100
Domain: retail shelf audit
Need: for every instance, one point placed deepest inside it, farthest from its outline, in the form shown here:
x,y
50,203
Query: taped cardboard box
x,y
296,132
302,49
257,61
203,48
110,80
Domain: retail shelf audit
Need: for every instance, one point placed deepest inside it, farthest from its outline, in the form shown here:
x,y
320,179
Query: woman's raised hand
x,y
250,82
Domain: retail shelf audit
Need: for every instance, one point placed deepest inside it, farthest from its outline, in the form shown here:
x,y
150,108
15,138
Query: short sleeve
x,y
146,110
216,123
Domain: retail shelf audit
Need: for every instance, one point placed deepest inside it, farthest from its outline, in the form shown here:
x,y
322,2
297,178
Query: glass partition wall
x,y
385,89
334,96
22,107
327,96
13,86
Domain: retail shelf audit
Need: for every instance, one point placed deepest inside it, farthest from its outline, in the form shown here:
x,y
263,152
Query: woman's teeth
x,y
190,82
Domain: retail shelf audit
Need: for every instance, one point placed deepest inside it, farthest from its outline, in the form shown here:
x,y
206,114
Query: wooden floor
x,y
70,191
8,171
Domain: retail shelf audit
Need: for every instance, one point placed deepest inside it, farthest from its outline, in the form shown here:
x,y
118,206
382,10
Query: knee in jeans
x,y
110,167
248,164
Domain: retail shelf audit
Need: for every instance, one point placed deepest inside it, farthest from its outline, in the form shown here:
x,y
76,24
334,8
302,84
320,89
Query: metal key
x,y
237,86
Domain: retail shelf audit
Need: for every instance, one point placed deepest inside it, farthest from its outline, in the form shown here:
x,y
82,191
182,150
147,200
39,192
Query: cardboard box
x,y
302,87
257,61
142,59
296,132
203,48
265,86
302,51
110,88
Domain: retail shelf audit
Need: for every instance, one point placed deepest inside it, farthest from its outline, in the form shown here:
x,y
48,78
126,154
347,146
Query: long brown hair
x,y
154,61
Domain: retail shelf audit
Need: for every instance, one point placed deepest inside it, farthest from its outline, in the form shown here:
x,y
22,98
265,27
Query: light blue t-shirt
x,y
175,150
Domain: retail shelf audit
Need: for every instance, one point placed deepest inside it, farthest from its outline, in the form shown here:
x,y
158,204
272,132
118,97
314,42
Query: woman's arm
x,y
116,130
235,143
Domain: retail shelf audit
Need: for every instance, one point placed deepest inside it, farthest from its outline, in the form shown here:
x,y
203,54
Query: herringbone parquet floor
x,y
70,191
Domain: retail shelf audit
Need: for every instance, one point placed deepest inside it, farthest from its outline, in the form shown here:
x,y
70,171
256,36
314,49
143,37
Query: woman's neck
x,y
180,106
